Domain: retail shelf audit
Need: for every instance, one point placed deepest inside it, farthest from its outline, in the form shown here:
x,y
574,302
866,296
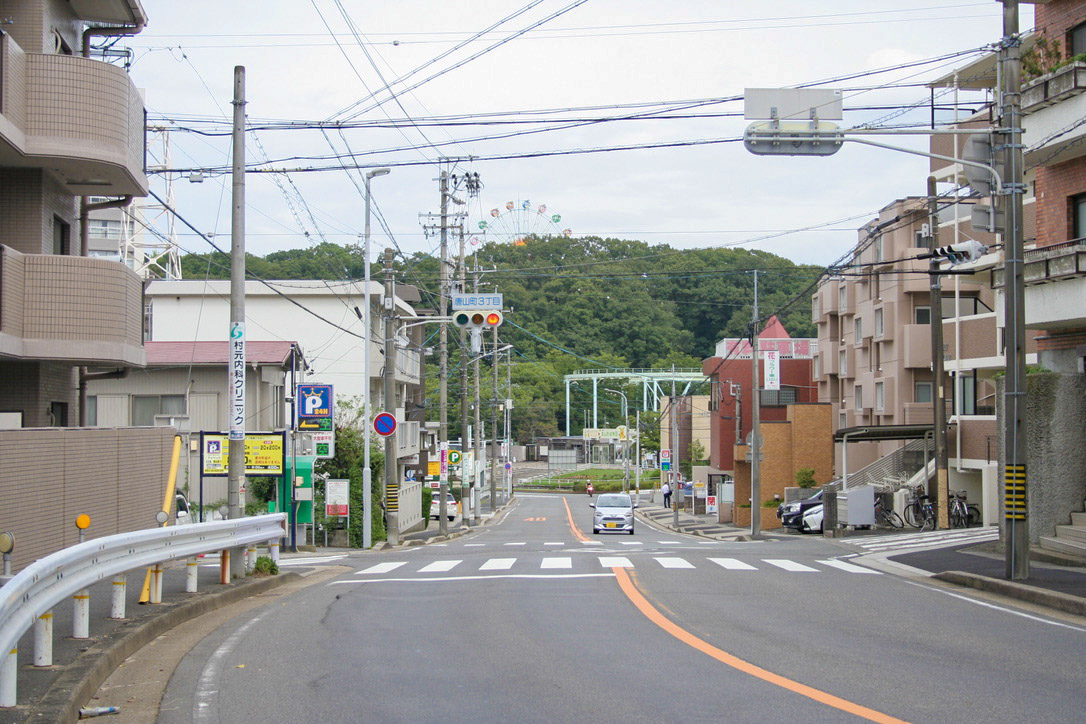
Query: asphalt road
x,y
534,619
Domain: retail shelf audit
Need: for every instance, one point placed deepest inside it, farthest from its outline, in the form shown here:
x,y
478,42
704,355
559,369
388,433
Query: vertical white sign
x,y
443,476
772,369
237,381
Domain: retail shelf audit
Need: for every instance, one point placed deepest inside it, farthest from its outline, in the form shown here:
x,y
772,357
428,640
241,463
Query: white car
x,y
812,521
435,506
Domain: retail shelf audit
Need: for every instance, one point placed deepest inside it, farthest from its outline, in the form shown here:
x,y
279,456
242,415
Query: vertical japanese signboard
x,y
443,474
772,369
237,381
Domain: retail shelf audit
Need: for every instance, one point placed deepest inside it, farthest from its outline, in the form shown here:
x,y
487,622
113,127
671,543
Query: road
x,y
534,619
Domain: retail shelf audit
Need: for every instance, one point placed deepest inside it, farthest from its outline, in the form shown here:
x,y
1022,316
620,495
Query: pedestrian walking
x,y
666,490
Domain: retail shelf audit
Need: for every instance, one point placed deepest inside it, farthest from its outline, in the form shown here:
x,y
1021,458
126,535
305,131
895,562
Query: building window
x,y
880,396
814,307
145,407
842,420
1078,215
859,329
92,411
778,398
62,237
922,392
876,286
923,315
878,249
859,398
817,366
1078,40
878,323
841,299
58,414
841,366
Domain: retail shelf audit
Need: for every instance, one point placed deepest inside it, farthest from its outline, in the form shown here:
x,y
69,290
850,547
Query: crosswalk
x,y
905,542
603,562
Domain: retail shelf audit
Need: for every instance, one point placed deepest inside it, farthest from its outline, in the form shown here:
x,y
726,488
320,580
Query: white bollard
x,y
192,570
120,591
81,615
156,583
273,549
43,639
9,672
250,558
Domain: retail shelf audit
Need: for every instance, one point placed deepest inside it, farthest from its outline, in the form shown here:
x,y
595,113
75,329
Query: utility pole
x,y
637,447
443,358
1015,492
673,443
942,491
509,424
494,430
465,486
392,468
478,457
367,333
236,393
755,421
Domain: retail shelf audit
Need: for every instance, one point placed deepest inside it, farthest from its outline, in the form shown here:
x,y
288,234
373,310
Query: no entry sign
x,y
384,424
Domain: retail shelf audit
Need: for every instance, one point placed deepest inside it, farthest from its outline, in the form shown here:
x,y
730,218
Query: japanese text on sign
x,y
476,301
237,380
263,453
337,500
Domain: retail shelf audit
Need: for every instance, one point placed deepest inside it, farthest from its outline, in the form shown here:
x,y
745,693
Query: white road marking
x,y
554,544
848,567
439,566
307,561
522,543
556,563
733,564
632,543
382,568
498,564
1004,609
669,542
592,542
674,562
615,562
207,690
790,565
431,579
474,545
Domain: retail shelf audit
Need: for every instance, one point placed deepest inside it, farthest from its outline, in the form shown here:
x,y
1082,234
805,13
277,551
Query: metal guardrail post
x,y
43,639
156,584
192,570
81,615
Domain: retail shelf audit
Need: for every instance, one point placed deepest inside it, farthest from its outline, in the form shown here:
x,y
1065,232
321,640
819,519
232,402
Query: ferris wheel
x,y
516,222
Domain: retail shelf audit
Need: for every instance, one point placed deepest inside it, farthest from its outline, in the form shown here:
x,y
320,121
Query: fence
x,y
27,599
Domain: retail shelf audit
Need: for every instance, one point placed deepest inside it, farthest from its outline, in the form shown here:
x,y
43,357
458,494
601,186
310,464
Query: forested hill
x,y
622,303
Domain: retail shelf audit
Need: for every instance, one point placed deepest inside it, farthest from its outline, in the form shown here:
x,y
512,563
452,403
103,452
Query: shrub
x,y
805,477
265,566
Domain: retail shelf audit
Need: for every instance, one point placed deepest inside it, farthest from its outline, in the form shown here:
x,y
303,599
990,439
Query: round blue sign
x,y
384,424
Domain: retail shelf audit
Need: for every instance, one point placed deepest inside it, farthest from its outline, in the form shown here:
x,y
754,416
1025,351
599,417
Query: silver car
x,y
614,511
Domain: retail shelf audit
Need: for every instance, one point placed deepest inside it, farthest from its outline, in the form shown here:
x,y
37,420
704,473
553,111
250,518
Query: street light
x,y
367,476
625,456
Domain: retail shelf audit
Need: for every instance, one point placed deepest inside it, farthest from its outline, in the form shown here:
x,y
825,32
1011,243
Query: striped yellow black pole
x,y
1014,492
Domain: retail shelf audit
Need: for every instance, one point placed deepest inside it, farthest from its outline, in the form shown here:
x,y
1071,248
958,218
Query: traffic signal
x,y
969,250
480,319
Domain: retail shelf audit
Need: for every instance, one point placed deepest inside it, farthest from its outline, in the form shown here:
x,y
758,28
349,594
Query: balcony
x,y
1055,279
1052,104
87,311
81,118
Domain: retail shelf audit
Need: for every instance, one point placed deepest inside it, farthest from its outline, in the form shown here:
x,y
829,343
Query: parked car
x,y
614,511
812,521
435,506
791,514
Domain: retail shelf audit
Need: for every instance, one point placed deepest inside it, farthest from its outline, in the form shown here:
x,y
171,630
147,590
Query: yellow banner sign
x,y
263,454
433,467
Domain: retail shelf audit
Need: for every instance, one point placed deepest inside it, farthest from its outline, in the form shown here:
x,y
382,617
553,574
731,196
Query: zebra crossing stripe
x,y
382,568
847,567
556,563
439,566
790,565
498,564
615,562
674,562
733,564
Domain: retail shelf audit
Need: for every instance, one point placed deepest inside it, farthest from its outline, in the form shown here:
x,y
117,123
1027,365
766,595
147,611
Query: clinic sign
x,y
237,381
264,453
316,407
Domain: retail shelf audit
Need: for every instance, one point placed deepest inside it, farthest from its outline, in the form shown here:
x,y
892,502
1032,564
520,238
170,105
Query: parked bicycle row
x,y
806,515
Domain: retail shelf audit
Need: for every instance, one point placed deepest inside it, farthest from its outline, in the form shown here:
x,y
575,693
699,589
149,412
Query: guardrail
x,y
27,599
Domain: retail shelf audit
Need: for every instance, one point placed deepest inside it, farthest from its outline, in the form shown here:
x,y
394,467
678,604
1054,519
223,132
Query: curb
x,y
1052,599
85,675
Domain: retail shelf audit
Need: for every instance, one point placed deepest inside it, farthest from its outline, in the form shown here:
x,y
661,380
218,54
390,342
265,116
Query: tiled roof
x,y
774,330
214,353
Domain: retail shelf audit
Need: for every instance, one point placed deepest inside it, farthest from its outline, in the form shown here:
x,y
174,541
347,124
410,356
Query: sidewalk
x,y
702,524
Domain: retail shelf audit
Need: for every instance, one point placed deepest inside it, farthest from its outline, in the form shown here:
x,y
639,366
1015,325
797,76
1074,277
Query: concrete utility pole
x,y
942,491
755,422
509,424
1015,492
673,443
477,472
236,393
494,430
443,357
465,486
392,468
367,331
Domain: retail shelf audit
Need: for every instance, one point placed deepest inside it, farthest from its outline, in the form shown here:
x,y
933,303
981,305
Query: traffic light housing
x,y
969,250
478,319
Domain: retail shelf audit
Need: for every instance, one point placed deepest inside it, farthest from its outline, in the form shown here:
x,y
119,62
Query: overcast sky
x,y
596,58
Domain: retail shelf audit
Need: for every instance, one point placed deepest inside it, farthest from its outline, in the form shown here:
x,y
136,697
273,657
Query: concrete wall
x,y
49,476
1055,456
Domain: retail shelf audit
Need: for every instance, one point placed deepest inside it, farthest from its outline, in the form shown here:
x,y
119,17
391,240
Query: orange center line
x,y
724,657
576,531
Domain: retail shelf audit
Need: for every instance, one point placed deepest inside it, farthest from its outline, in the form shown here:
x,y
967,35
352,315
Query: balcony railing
x,y
1065,82
1049,263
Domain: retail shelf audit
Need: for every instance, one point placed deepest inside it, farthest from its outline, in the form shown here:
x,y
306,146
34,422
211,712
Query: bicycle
x,y
887,517
959,512
920,513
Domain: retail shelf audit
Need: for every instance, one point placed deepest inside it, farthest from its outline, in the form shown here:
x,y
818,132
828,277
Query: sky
x,y
584,61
